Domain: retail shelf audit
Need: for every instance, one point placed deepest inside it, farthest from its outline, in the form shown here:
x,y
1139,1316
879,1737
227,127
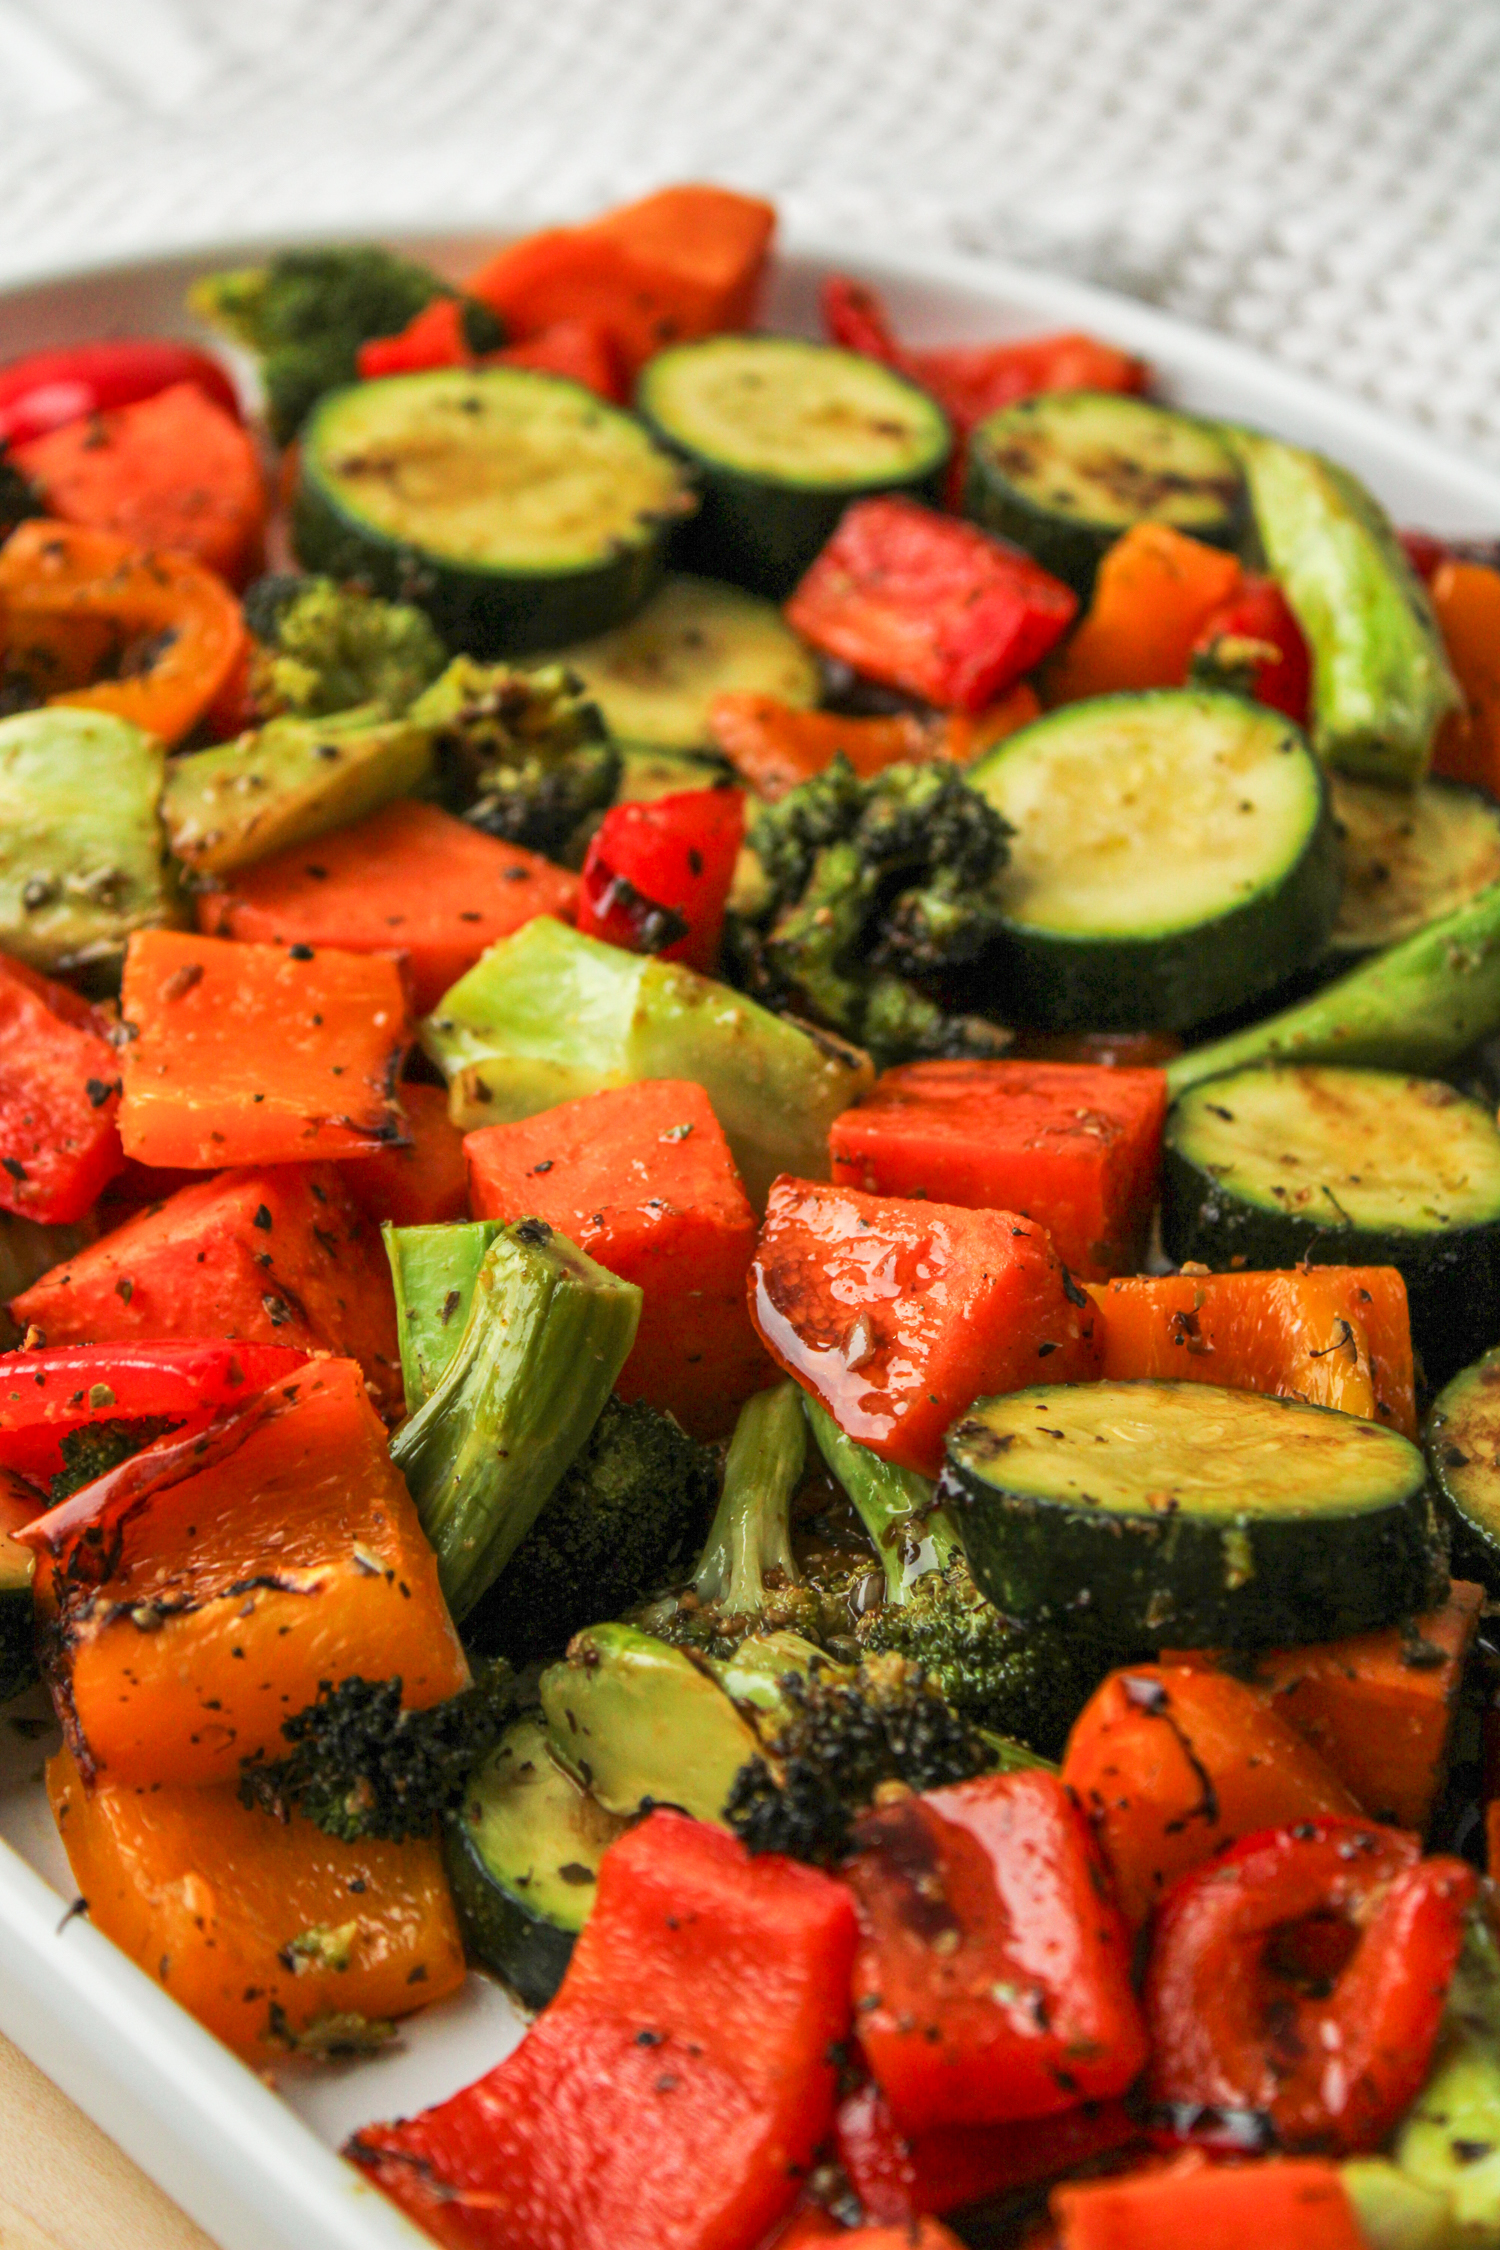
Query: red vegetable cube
x,y
664,867
898,1315
897,2176
642,1179
1074,1147
1291,2202
421,1182
59,1093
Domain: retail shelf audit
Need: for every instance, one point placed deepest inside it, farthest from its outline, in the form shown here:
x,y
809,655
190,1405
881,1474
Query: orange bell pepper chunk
x,y
245,1919
1155,591
171,630
1466,597
1295,2202
774,746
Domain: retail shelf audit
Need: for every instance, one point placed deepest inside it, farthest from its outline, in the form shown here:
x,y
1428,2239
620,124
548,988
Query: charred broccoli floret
x,y
627,1514
322,648
523,755
360,1765
307,312
838,1737
863,886
1028,1683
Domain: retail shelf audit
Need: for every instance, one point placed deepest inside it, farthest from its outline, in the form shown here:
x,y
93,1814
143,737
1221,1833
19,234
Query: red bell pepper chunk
x,y
1286,2203
992,1980
581,349
898,1315
1296,1985
59,1092
928,604
424,1183
434,337
46,1394
897,2176
47,389
1424,551
678,2086
1260,617
918,2234
657,875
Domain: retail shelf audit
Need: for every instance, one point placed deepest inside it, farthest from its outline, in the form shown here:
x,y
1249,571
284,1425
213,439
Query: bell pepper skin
x,y
176,1642
1258,2007
1171,1765
44,390
282,1255
1260,613
45,1394
992,1980
101,594
59,1095
422,1182
898,1314
268,1931
661,867
434,337
928,604
773,746
898,2176
582,350
1154,595
1466,598
1293,2203
676,2088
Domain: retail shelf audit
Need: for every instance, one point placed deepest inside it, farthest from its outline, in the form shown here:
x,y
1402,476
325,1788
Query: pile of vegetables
x,y
750,1208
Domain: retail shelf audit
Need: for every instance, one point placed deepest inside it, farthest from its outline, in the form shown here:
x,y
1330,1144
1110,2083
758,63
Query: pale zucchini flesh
x,y
1463,1445
1408,855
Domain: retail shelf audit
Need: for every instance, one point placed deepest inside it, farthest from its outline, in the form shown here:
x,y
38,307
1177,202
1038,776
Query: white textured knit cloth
x,y
1318,177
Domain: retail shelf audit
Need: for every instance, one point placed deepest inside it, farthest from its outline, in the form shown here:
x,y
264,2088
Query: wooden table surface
x,y
64,2185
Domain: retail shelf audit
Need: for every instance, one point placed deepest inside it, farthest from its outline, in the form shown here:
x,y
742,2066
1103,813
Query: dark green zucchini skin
x,y
1145,1580
17,1641
525,1950
1452,1277
490,613
1463,1447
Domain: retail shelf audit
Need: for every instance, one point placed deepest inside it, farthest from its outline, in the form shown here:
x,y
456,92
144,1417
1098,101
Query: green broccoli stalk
x,y
322,648
306,313
1026,1683
522,755
362,1766
625,1517
863,886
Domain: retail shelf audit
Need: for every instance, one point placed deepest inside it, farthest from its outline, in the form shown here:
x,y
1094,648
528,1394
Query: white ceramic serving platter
x,y
255,2166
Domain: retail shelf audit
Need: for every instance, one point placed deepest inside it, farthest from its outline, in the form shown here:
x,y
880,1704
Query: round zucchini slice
x,y
1183,1513
1174,857
1267,1166
523,1853
1463,1446
656,678
782,435
1408,855
517,509
1065,473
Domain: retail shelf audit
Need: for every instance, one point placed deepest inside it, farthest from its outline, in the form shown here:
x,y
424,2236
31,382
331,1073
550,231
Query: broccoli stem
x,y
911,1532
751,1531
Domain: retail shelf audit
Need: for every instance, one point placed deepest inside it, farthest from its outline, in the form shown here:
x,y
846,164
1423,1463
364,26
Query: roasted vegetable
x,y
523,755
546,1335
321,648
307,312
864,886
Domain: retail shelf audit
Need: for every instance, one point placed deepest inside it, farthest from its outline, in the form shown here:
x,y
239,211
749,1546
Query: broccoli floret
x,y
523,755
627,1513
360,1765
863,886
323,648
838,1737
95,1447
308,311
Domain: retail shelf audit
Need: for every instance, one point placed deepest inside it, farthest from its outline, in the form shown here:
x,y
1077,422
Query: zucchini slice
x,y
1065,473
656,678
1174,856
1178,1511
1408,856
1267,1166
1463,1445
523,1852
517,509
782,435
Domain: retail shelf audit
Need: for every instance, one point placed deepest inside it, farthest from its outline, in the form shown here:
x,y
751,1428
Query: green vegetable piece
x,y
1450,2142
755,1675
522,755
434,1270
911,1533
1394,2212
548,1331
647,772
1381,678
751,1533
287,782
641,1723
548,1015
82,857
1416,1006
327,648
